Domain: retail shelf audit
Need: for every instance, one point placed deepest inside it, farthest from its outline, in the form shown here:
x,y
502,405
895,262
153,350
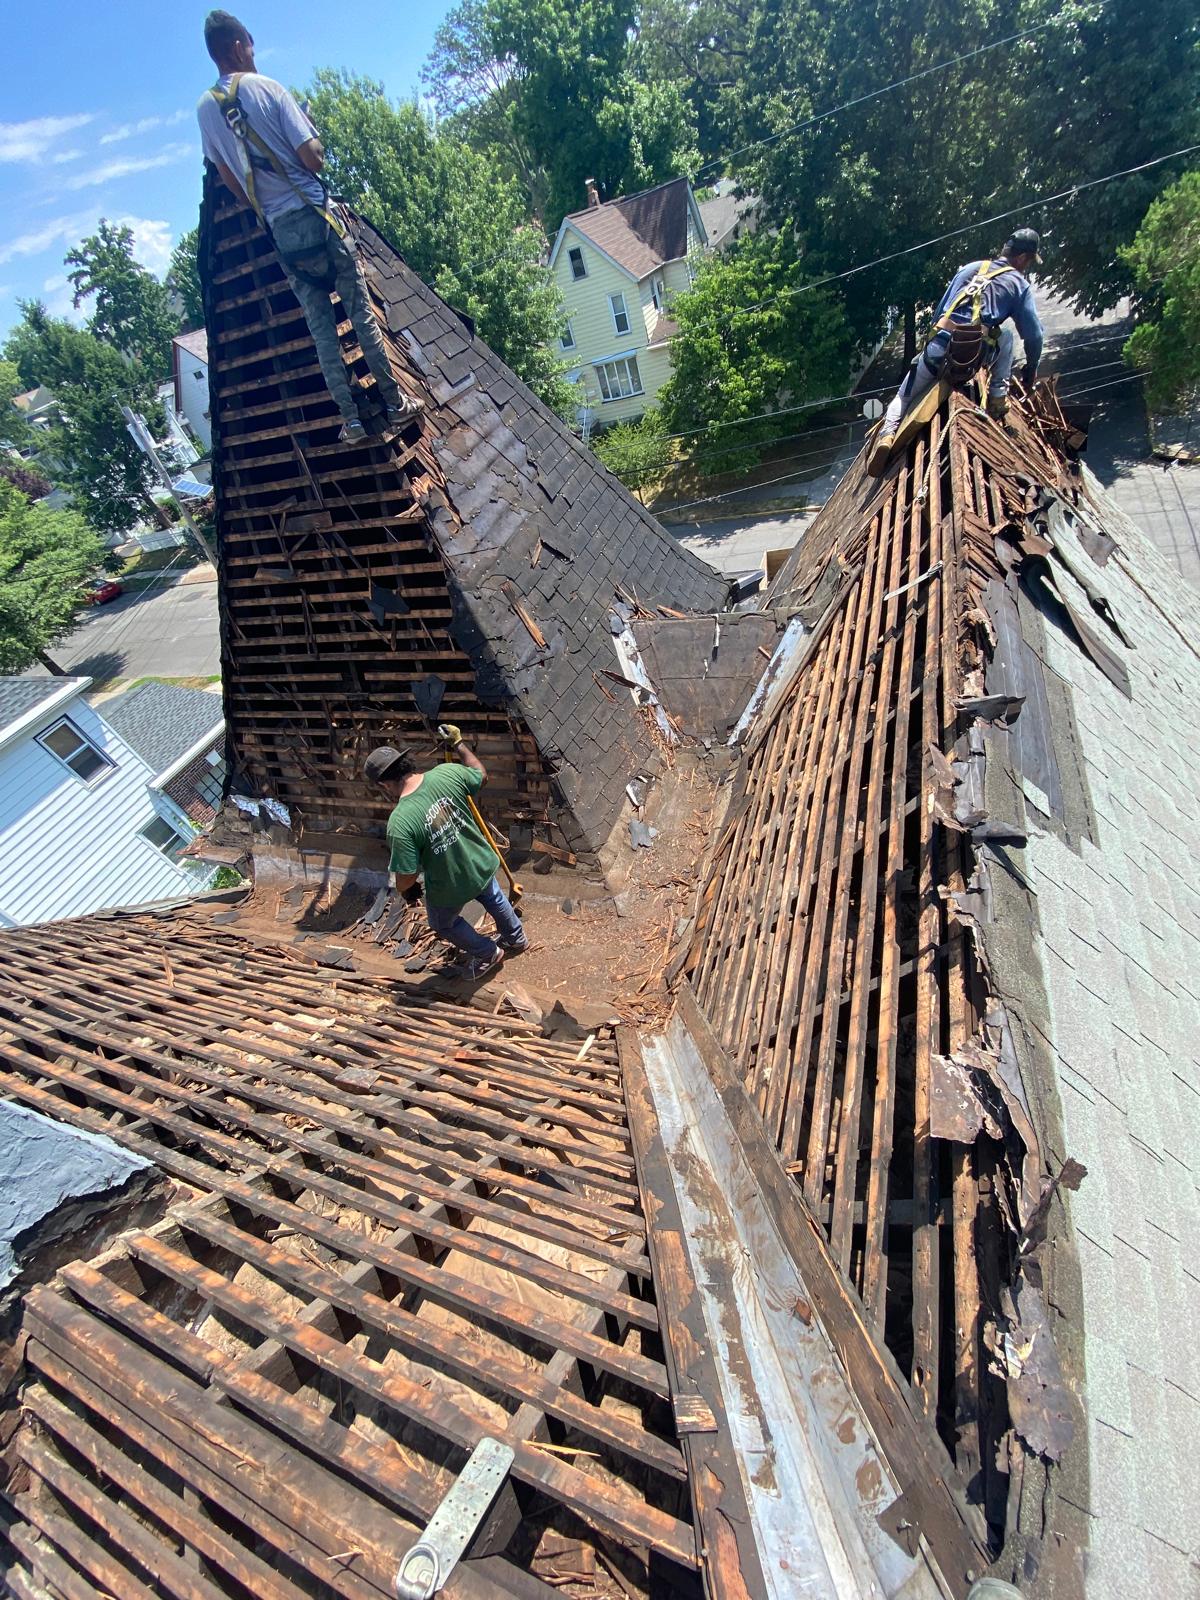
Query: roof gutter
x,y
30,719
188,756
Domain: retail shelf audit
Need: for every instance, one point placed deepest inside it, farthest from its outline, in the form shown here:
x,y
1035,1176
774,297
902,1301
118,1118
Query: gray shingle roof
x,y
18,696
162,721
641,231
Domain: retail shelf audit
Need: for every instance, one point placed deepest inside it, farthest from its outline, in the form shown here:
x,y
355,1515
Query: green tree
x,y
459,222
107,474
564,79
890,172
636,452
752,339
1165,261
1116,83
45,557
476,95
15,431
183,280
132,310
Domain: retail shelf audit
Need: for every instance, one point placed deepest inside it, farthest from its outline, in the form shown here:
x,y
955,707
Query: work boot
x,y
997,407
877,459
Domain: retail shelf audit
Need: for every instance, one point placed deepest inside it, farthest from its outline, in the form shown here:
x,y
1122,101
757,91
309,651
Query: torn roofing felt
x,y
866,946
480,555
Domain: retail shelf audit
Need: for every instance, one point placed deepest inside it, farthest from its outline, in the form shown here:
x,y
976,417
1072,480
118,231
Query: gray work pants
x,y
306,244
925,371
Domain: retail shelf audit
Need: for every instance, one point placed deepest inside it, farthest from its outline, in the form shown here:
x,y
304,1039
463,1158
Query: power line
x,y
954,233
1130,377
874,94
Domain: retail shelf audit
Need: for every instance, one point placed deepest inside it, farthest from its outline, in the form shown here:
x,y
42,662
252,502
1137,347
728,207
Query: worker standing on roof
x,y
270,156
975,325
433,830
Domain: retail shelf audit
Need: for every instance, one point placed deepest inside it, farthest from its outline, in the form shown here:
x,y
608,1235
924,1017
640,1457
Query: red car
x,y
103,590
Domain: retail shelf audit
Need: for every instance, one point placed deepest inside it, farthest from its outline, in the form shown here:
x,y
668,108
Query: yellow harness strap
x,y
974,288
239,125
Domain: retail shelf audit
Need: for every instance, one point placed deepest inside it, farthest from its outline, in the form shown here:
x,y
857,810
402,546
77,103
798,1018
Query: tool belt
x,y
971,343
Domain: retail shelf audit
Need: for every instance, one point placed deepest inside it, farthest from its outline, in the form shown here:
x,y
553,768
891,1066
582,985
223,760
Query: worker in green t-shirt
x,y
433,831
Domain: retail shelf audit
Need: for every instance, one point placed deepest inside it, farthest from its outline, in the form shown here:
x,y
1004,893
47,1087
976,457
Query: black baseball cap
x,y
387,762
1026,241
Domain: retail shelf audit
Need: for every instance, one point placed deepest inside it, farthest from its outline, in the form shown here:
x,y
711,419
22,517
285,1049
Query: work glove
x,y
449,734
412,895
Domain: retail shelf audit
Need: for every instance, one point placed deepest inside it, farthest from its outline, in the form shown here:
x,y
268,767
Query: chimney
x,y
593,194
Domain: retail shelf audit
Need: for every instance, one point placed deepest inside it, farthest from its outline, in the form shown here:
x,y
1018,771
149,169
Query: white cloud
x,y
59,299
126,166
151,242
131,130
61,230
60,156
30,141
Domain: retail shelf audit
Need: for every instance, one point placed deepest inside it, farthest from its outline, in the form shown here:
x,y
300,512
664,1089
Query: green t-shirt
x,y
432,830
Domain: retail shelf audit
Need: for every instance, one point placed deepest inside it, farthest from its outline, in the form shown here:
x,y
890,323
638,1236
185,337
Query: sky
x,y
98,116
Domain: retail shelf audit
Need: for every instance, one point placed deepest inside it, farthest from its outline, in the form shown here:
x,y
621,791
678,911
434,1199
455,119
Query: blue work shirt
x,y
281,124
1010,294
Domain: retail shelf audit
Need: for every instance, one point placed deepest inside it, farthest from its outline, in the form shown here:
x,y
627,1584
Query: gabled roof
x,y
479,557
21,699
195,343
640,232
163,721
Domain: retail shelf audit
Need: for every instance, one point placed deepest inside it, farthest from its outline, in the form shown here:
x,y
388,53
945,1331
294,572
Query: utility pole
x,y
140,434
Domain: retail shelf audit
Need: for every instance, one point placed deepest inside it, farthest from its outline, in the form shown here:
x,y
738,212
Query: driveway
x,y
168,630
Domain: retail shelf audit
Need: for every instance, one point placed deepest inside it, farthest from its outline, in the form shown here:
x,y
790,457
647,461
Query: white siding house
x,y
80,829
617,265
189,373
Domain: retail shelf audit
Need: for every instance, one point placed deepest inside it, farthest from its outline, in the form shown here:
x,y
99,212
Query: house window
x,y
619,379
657,293
568,338
211,785
619,314
164,836
65,741
578,264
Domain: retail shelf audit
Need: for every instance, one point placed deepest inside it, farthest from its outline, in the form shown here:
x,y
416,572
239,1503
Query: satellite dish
x,y
872,410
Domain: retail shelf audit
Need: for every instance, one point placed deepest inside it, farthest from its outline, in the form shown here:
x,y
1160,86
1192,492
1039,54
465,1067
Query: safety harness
x,y
967,339
316,268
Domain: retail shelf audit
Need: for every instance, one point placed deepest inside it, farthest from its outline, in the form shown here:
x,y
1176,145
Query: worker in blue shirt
x,y
978,313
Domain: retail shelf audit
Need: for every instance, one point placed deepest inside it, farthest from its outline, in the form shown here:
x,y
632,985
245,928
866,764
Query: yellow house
x,y
617,264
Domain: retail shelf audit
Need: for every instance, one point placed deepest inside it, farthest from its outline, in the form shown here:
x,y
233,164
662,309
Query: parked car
x,y
102,590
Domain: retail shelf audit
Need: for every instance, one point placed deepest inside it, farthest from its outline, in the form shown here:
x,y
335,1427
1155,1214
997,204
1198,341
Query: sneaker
x,y
515,947
353,432
482,965
398,416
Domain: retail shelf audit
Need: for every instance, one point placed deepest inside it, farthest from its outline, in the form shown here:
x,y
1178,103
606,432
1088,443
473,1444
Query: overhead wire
x,y
875,94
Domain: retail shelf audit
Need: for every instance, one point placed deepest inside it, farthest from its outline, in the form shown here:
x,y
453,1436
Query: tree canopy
x,y
458,219
131,310
45,558
753,338
183,281
1165,261
107,474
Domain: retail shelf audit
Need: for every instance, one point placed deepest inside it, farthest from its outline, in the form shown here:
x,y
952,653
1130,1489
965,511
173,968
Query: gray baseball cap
x,y
1025,241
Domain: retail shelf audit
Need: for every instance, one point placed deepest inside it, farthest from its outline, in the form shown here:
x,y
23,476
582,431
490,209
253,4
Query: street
x,y
1086,355
169,630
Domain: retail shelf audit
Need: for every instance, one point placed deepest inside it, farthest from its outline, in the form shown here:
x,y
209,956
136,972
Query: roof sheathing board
x,y
411,1224
841,948
349,574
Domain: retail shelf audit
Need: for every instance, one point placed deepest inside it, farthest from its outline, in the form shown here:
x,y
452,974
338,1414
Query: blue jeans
x,y
923,373
449,923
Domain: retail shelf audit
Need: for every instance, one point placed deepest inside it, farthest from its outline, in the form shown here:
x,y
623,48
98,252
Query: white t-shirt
x,y
272,111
